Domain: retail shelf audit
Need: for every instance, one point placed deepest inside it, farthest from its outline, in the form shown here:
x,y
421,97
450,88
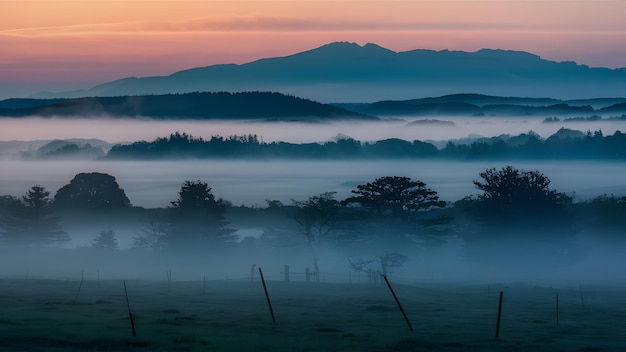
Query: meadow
x,y
40,314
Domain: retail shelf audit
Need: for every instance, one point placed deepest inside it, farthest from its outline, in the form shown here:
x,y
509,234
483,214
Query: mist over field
x,y
117,130
573,248
156,183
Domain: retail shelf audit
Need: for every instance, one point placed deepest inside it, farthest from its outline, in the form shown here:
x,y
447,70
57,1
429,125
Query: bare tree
x,y
317,218
386,261
151,236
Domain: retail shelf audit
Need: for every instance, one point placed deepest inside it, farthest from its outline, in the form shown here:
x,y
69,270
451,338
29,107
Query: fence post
x,y
406,318
499,316
267,296
286,273
557,309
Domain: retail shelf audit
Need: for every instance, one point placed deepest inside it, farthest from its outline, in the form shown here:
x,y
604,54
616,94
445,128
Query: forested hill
x,y
220,105
486,105
565,144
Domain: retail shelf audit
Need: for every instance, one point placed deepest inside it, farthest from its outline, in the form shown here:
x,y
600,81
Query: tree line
x,y
565,144
390,212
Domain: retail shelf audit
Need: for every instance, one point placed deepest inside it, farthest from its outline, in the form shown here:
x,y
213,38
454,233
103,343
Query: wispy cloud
x,y
268,23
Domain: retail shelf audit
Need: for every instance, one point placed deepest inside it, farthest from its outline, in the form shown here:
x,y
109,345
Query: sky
x,y
61,45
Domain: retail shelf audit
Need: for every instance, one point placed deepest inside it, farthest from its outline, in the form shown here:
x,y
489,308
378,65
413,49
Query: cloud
x,y
270,23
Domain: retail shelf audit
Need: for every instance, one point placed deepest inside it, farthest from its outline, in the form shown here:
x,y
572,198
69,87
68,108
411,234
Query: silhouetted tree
x,y
151,236
105,241
197,219
603,216
92,191
521,220
30,221
317,217
386,261
396,196
510,194
400,208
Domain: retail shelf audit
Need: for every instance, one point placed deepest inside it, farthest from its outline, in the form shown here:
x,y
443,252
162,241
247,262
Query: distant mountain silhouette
x,y
478,104
247,105
276,106
348,72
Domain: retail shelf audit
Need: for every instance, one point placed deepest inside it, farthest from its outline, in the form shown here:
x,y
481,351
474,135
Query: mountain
x,y
221,105
348,72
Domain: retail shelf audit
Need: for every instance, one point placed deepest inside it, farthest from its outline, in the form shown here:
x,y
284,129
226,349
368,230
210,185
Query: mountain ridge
x,y
199,106
349,72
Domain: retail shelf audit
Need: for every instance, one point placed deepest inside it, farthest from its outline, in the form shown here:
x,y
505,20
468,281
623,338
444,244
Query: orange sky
x,y
50,44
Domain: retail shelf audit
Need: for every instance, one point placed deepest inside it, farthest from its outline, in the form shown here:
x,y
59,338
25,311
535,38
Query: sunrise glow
x,y
52,43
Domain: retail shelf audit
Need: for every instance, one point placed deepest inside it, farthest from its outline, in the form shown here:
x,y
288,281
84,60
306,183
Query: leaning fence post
x,y
408,322
267,296
130,314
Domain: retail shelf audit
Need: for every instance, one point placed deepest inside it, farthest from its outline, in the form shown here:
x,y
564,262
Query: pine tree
x,y
105,241
30,222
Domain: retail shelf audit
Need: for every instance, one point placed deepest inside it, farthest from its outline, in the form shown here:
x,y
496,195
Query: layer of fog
x,y
126,130
154,184
594,261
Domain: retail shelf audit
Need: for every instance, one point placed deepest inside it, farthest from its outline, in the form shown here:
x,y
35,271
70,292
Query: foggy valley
x,y
308,176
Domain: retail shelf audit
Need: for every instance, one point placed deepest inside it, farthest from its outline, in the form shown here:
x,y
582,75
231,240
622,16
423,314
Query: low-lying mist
x,y
585,256
116,130
154,184
531,261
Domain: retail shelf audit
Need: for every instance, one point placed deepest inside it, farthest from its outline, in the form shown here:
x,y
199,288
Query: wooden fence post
x,y
499,316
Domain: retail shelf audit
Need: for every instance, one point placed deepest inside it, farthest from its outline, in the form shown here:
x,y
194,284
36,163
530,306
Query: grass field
x,y
233,315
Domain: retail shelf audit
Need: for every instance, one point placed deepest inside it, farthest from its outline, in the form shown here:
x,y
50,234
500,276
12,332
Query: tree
x,y
513,197
197,218
151,236
397,205
30,221
317,218
92,191
395,196
387,262
522,222
105,241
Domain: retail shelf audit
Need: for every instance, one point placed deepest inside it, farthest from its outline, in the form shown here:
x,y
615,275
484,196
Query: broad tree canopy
x,y
516,198
92,191
395,195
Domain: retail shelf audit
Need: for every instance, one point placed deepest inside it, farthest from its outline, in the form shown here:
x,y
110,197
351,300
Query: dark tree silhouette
x,y
522,222
387,262
398,208
92,191
197,219
396,196
317,217
513,197
30,221
105,241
